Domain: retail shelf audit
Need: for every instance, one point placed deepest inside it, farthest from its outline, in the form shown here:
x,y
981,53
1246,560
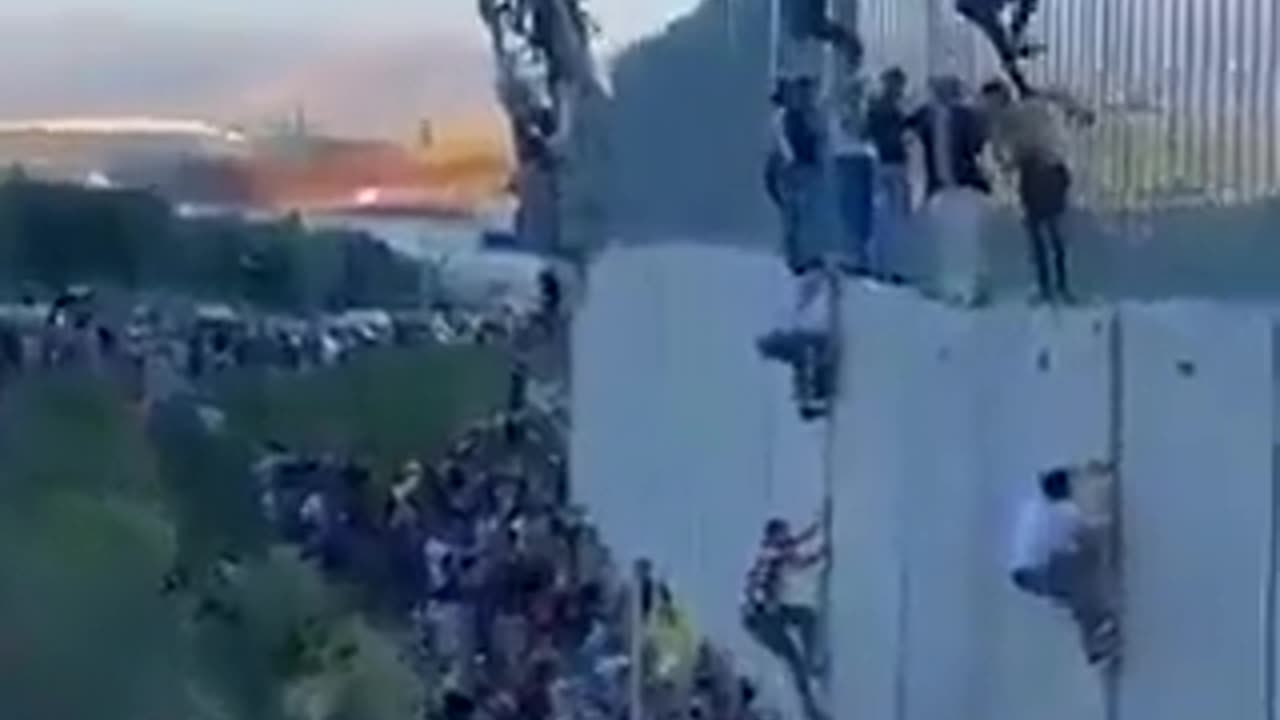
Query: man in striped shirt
x,y
786,626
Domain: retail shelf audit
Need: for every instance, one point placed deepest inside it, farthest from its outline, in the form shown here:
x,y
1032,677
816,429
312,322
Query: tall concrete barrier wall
x,y
684,441
1199,512
945,419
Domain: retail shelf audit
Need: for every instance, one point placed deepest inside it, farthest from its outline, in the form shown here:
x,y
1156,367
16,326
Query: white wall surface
x,y
1197,511
685,440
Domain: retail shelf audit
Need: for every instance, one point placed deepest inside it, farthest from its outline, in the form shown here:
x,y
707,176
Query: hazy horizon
x,y
623,21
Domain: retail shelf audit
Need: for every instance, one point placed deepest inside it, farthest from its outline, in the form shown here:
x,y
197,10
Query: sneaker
x,y
811,411
1028,49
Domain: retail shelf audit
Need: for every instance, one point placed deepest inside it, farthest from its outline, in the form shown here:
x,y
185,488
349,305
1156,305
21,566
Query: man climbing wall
x,y
1058,554
786,625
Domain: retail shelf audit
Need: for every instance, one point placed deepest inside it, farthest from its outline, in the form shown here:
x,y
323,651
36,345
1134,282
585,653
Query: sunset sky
x,y
359,67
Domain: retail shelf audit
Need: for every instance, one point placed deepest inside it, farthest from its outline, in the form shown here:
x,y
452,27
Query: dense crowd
x,y
194,342
518,610
515,608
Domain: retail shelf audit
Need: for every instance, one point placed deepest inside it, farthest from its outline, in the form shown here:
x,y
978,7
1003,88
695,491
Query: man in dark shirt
x,y
887,127
793,166
953,135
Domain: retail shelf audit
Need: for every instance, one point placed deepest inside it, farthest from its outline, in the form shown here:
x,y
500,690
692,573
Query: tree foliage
x,y
54,235
96,506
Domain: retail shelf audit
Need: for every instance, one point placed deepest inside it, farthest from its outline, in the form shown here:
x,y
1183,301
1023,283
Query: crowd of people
x,y
871,132
518,609
192,342
955,129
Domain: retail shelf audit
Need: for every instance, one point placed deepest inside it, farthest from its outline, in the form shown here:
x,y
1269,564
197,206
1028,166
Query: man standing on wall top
x,y
1030,138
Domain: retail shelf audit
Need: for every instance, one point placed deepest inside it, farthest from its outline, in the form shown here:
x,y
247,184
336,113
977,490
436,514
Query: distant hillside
x,y
353,84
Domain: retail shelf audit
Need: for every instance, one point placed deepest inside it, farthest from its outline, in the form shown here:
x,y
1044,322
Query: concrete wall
x,y
685,440
1199,509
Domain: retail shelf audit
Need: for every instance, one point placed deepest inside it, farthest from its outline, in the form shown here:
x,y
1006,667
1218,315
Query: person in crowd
x,y
784,624
793,167
1030,138
808,20
887,128
853,155
11,355
1059,556
954,135
551,297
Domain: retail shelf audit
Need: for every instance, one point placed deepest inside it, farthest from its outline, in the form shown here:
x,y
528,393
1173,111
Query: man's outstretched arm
x,y
1075,110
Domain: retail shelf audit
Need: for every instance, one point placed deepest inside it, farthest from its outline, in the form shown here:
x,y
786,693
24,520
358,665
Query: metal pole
x,y
1111,678
635,678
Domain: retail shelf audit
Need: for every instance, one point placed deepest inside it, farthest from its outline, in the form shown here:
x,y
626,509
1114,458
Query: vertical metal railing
x,y
1189,89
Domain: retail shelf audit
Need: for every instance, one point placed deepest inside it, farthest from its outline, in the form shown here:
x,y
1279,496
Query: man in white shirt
x,y
1058,555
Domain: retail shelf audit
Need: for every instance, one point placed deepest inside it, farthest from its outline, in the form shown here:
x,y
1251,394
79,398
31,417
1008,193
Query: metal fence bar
x,y
1272,94
1189,89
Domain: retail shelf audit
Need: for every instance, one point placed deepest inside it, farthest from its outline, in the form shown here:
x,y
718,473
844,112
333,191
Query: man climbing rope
x,y
1007,38
1030,138
804,343
784,624
1058,555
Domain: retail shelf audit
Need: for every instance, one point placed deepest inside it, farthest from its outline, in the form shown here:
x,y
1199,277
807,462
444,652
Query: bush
x,y
55,235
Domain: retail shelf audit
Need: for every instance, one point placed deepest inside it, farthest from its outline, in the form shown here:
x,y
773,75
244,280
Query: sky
x,y
363,67
623,20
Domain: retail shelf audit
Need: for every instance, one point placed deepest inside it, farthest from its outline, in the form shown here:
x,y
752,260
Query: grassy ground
x,y
93,509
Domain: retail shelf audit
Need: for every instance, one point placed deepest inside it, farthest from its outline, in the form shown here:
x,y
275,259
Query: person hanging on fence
x,y
1059,554
775,616
808,20
1029,134
1007,36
